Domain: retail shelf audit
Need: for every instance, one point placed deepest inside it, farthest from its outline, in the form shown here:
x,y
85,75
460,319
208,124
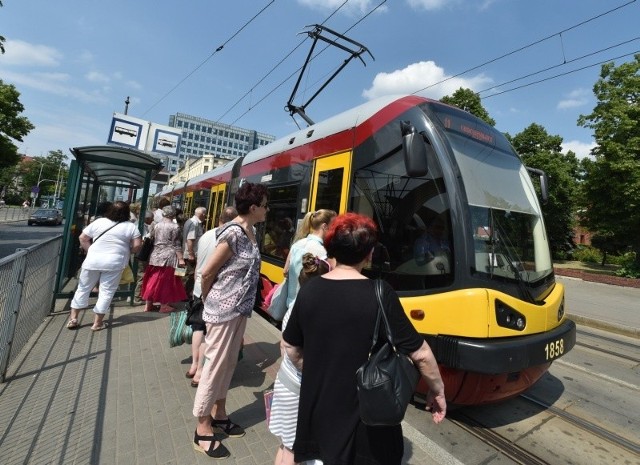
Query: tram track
x,y
506,446
622,344
585,425
499,442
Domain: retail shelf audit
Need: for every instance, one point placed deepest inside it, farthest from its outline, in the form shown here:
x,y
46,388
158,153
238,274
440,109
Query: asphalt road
x,y
605,302
19,235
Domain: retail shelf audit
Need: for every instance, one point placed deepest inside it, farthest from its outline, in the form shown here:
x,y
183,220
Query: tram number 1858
x,y
554,349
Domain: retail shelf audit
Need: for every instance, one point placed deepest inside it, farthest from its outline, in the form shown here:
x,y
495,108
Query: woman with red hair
x,y
331,327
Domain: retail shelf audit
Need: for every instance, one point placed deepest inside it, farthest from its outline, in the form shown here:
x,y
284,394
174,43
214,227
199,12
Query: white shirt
x,y
111,250
192,231
206,245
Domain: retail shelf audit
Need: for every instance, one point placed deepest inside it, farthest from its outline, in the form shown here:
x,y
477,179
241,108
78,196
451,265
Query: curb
x,y
605,325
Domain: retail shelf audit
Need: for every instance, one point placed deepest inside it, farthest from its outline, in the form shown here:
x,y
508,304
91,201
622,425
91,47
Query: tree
x,y
44,170
2,39
612,182
468,100
541,150
12,126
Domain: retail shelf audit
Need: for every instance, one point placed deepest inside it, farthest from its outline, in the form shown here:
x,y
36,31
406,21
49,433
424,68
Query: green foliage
x,y
541,150
630,268
587,254
468,100
611,186
12,126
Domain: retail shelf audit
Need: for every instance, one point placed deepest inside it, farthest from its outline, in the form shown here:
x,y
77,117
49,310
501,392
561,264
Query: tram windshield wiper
x,y
502,255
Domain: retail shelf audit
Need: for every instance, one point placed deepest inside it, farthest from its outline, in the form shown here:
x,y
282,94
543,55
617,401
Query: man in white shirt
x,y
191,233
206,245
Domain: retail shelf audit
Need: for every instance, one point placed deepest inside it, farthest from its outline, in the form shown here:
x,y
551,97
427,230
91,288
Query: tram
x,y
485,299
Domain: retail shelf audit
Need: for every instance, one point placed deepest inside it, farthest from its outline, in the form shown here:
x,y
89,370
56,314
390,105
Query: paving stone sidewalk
x,y
120,396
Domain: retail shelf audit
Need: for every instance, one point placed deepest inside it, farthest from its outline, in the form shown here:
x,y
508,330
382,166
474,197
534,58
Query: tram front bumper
x,y
503,355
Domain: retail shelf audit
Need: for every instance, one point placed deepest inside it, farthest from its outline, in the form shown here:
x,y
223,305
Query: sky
x,y
75,62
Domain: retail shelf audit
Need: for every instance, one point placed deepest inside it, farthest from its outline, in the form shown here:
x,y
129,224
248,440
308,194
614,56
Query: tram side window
x,y
414,217
329,189
279,228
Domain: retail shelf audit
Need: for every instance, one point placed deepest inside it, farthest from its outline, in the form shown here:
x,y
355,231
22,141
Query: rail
x,y
27,280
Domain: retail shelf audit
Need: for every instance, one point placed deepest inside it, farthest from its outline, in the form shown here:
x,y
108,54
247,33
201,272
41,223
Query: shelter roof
x,y
111,164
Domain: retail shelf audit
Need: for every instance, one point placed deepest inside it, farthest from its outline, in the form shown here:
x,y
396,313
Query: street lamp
x,y
41,181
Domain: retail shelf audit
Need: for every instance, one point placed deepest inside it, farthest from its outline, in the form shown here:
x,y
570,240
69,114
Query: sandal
x,y
73,324
220,452
189,375
194,384
228,427
99,328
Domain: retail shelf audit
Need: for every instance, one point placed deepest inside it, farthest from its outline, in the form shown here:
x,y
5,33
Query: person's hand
x,y
437,405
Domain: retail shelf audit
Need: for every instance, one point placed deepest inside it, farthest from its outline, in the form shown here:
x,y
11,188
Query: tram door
x,y
216,205
329,188
188,205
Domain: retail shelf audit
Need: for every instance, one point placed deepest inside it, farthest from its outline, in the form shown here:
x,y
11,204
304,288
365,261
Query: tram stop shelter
x,y
95,170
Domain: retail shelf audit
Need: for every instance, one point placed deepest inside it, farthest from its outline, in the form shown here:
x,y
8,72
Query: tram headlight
x,y
561,310
509,317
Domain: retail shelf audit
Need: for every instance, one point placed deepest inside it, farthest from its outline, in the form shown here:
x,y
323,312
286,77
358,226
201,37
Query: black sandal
x,y
220,452
228,427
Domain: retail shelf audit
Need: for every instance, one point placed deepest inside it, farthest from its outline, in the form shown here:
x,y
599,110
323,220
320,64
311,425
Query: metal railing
x,y
12,213
27,282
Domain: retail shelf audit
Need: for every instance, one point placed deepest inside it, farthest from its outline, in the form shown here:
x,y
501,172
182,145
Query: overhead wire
x,y
565,62
524,47
562,74
217,50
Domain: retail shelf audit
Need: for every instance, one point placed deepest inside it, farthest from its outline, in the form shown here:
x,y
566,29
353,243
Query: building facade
x,y
196,165
203,137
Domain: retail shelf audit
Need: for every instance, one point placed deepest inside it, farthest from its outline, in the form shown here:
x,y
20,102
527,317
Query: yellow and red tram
x,y
484,296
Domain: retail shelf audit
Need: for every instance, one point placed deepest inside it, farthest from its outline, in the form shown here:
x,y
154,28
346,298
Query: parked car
x,y
45,216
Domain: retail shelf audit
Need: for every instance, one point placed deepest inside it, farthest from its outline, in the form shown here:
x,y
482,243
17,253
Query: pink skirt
x,y
160,284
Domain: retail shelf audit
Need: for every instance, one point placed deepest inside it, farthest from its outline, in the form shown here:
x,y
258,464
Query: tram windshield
x,y
506,222
416,250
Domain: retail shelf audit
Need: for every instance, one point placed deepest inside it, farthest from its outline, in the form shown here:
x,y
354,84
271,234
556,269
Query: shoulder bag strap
x,y
382,314
102,233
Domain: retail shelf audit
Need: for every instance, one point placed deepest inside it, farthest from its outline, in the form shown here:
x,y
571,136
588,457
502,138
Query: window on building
x,y
191,125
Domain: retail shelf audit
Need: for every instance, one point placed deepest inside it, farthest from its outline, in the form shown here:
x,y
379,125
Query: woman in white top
x,y
108,242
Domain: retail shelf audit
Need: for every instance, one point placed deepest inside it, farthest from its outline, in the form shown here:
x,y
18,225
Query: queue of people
x,y
328,298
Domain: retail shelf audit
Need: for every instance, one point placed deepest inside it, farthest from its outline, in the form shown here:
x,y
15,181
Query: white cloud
x,y
581,149
95,76
428,4
417,76
432,5
574,99
53,83
133,85
18,52
360,6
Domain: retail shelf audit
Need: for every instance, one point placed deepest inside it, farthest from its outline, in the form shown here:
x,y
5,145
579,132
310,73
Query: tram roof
x,y
115,164
340,122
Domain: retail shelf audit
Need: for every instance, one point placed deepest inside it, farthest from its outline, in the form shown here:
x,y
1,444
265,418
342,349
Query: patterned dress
x,y
160,284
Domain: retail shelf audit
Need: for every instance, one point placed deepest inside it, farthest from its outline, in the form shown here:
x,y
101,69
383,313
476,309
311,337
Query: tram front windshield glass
x,y
506,222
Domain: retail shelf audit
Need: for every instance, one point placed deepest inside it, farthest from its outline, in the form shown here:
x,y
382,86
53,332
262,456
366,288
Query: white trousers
x,y
109,282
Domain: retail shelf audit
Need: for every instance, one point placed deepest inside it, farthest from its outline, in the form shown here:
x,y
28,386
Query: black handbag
x,y
387,380
195,307
145,251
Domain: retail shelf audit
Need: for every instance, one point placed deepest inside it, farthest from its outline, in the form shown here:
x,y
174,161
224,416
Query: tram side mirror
x,y
544,183
414,147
